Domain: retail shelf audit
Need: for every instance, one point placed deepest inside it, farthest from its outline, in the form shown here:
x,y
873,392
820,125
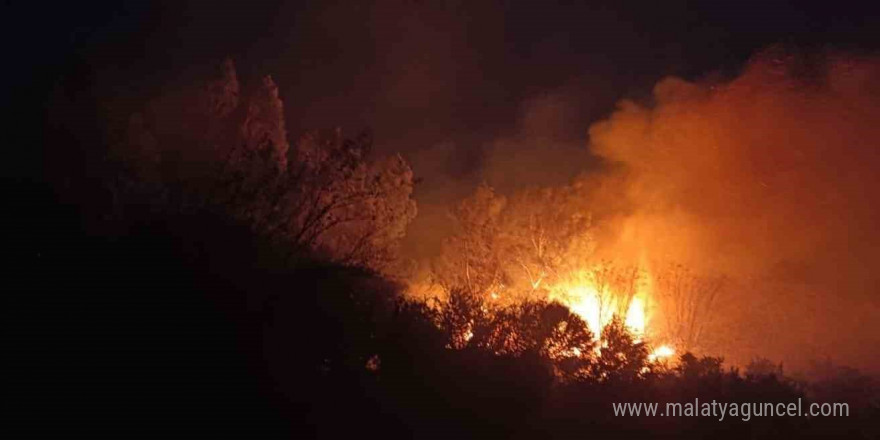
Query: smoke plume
x,y
771,179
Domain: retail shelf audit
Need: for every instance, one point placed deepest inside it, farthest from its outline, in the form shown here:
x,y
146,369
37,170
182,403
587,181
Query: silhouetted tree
x,y
219,148
763,367
621,358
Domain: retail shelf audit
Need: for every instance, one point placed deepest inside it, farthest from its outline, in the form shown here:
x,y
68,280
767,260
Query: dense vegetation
x,y
249,296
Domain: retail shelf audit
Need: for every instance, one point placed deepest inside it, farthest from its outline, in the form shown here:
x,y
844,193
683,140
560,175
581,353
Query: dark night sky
x,y
466,90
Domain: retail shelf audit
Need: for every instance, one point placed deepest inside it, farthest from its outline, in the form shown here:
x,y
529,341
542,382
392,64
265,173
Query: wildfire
x,y
660,353
584,301
597,308
635,316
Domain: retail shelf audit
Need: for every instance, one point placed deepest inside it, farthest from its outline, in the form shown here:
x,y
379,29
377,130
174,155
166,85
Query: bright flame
x,y
660,353
584,301
635,316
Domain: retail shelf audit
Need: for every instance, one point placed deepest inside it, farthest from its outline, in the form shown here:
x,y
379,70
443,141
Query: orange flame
x,y
597,309
660,353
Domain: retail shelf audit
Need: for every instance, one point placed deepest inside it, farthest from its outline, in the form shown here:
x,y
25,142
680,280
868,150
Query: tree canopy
x,y
225,146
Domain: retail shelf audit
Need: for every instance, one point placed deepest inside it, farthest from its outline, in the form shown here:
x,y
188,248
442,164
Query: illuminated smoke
x,y
772,179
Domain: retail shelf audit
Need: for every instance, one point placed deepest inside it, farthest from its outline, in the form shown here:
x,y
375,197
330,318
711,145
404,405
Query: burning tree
x,y
687,300
601,291
515,247
538,244
544,233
